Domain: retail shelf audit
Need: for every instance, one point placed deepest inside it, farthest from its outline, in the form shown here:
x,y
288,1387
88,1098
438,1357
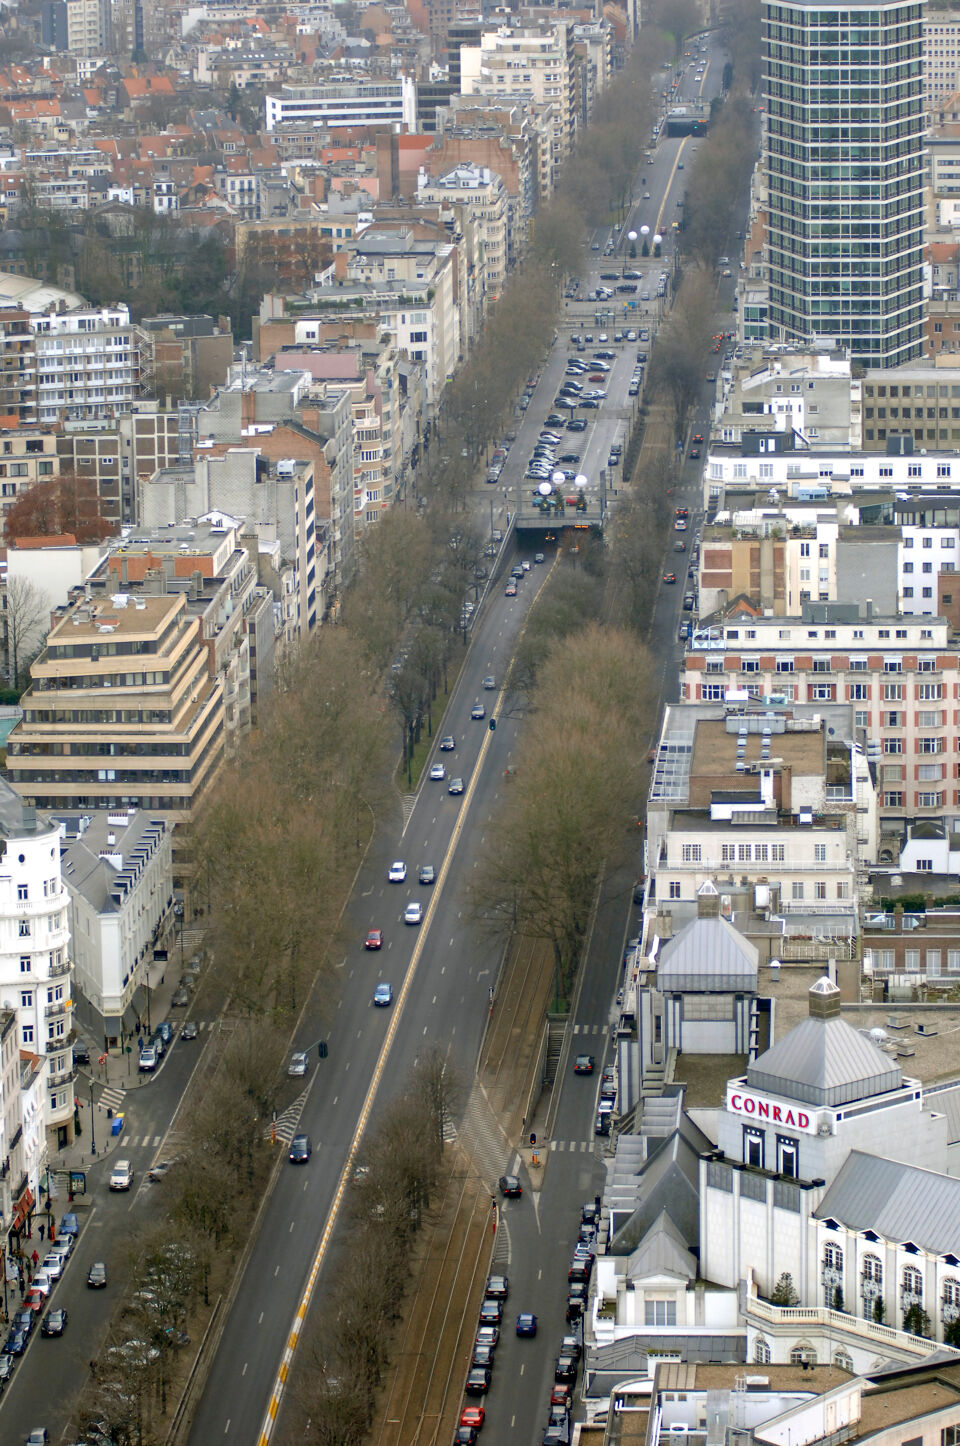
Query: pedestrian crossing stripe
x,y
112,1098
589,1028
572,1146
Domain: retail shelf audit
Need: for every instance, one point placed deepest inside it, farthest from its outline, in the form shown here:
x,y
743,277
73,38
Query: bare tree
x,y
26,619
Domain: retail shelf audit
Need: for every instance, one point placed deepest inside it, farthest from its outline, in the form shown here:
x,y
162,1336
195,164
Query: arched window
x,y
761,1351
833,1257
912,1282
951,1291
873,1269
803,1354
845,1362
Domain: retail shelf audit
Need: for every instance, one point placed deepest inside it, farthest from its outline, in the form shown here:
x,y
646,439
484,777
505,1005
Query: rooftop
x,y
121,614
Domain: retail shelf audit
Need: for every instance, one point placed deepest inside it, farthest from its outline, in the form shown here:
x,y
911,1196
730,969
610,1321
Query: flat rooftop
x,y
715,750
131,617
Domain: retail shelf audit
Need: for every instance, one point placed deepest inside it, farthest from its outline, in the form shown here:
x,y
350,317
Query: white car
x,y
121,1176
397,873
53,1264
297,1066
413,914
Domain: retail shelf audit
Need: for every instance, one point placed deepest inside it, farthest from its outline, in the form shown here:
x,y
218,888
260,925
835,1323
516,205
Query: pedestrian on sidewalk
x,y
36,1259
41,1232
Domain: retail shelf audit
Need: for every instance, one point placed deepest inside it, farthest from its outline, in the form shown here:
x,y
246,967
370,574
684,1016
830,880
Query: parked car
x,y
477,1382
498,1287
148,1059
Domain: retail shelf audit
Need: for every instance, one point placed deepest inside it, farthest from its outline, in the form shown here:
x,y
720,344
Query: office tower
x,y
843,153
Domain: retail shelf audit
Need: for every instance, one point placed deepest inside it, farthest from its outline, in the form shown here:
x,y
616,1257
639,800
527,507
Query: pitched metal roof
x,y
900,1202
824,1062
708,955
662,1251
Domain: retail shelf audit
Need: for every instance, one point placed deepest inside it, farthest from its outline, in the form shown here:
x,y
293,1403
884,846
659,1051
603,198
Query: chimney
x,y
869,608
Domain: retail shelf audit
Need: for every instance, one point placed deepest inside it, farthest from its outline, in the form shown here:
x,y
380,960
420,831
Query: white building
x,y
35,972
88,362
343,101
941,56
118,871
827,1169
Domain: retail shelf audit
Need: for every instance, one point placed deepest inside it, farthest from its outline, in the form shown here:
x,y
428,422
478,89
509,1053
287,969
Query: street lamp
x,y
645,232
93,1138
632,238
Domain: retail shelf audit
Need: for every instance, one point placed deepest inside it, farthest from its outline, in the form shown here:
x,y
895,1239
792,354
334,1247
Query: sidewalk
x,y
111,1081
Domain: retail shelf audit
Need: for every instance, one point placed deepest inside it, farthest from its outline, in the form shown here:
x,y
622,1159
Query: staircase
x,y
556,1029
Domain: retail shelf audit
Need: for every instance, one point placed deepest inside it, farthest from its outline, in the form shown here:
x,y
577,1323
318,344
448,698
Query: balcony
x,y
62,1077
60,1006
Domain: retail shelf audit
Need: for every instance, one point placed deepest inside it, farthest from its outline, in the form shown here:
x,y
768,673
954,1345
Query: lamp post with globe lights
x,y
632,238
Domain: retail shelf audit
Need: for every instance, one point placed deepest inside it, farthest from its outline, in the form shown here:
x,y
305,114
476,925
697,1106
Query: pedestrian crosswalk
x,y
572,1147
589,1029
449,1132
111,1098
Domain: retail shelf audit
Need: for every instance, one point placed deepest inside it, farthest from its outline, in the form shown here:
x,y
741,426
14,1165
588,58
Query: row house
x,y
900,675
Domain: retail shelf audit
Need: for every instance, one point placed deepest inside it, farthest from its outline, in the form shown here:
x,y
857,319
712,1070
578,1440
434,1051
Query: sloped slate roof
x,y
900,1202
662,1251
669,1180
708,955
824,1062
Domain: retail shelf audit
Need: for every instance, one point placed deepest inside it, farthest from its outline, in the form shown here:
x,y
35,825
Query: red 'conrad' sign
x,y
757,1107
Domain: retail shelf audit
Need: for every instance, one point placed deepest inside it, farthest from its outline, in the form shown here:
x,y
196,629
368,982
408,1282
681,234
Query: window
x,y
858,692
893,799
25,963
674,889
929,745
24,928
761,1351
912,1282
691,853
778,853
819,889
753,1147
933,962
832,1256
784,665
893,745
845,1363
26,998
23,892
786,1157
803,1354
820,853
660,1312
872,1269
797,889
27,1031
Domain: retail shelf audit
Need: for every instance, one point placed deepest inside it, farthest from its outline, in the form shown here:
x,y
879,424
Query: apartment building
x,y
918,404
88,362
902,677
480,198
809,392
35,969
501,139
940,66
118,873
341,101
27,456
18,368
837,269
16,1196
160,727
537,63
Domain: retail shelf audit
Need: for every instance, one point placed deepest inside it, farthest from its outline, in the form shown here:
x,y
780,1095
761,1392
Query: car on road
x,y
488,1335
53,1264
565,1369
583,1064
472,1416
498,1287
538,557
694,453
489,682
670,577
35,1298
680,524
684,631
491,1311
456,785
570,1346
374,939
601,1125
121,1176
688,602
190,1030
510,1186
437,772
397,872
561,1394
477,1382
465,1436
478,711
81,1055
54,1323
300,1149
297,1066
160,1170
148,1059
575,1304
413,913
16,1341
447,743
97,1275
697,437
180,999
526,1323
509,591
679,545
383,995
427,874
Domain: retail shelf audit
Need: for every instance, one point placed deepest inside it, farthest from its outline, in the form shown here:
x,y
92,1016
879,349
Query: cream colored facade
x,y
481,195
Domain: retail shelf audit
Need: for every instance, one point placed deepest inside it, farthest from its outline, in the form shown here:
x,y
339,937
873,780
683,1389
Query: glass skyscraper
x,y
844,160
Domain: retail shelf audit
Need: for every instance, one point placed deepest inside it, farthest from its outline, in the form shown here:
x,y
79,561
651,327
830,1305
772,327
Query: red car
x,y
374,939
472,1416
560,1395
34,1299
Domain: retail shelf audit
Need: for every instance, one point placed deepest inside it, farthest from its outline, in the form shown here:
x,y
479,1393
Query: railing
x,y
59,1006
793,1316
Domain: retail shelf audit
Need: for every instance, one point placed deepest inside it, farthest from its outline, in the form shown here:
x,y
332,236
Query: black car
x,y
510,1186
97,1275
575,1304
555,420
565,1369
24,1320
54,1323
81,1055
590,1213
601,1125
483,1357
16,1342
498,1287
300,1149
570,1346
466,1436
477,1382
189,1030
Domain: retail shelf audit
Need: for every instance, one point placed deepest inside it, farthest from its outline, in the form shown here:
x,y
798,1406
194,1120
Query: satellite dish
x,y
557,478
545,489
580,480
